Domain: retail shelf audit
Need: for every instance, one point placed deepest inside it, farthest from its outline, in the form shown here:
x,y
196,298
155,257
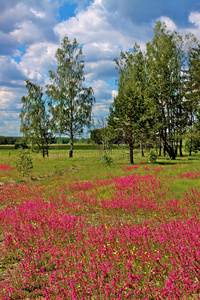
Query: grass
x,y
77,229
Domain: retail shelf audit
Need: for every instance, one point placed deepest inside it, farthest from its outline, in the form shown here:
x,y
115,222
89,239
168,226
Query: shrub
x,y
22,145
24,162
152,156
106,160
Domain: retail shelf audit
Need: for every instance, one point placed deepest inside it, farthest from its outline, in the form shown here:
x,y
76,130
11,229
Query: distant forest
x,y
9,140
12,140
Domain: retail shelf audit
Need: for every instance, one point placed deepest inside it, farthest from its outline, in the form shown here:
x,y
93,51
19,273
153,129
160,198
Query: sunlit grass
x,y
76,229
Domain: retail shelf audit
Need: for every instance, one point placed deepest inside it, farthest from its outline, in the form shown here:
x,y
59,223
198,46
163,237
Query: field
x,y
78,229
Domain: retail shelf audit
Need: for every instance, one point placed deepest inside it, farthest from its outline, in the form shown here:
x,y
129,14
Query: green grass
x,y
86,165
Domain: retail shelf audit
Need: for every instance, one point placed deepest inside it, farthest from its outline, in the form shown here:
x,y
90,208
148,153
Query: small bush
x,y
152,156
24,162
106,160
58,171
22,145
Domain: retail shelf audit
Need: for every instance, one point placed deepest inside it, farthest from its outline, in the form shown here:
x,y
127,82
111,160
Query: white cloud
x,y
38,60
169,23
103,69
100,111
26,33
10,98
5,98
94,25
9,71
104,97
99,50
114,94
10,109
38,14
9,123
194,17
103,27
103,35
26,22
101,89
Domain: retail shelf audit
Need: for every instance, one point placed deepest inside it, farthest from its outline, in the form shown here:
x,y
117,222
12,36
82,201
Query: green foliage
x,y
36,123
127,110
114,137
58,171
24,162
193,145
22,145
62,140
165,58
105,136
152,156
106,160
9,140
71,103
95,135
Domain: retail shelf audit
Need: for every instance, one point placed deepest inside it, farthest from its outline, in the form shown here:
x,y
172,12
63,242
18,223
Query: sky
x,y
31,31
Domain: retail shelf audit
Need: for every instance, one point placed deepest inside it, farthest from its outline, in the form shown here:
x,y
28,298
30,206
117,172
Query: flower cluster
x,y
128,237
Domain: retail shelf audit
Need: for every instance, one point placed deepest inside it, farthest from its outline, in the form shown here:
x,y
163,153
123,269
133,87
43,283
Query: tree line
x,y
159,92
9,140
157,101
20,141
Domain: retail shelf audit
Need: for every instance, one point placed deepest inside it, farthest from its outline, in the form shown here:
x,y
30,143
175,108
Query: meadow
x,y
78,229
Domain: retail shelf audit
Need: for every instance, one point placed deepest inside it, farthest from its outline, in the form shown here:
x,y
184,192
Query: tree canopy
x,y
36,124
126,112
71,102
156,100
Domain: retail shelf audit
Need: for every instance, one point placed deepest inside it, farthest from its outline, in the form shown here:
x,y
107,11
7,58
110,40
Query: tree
x,y
35,120
104,135
192,88
128,107
71,103
165,58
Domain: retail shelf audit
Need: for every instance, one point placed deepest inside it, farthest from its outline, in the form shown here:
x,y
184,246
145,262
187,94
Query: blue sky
x,y
31,31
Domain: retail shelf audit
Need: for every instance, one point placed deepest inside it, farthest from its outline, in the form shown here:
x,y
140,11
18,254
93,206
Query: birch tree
x,y
71,102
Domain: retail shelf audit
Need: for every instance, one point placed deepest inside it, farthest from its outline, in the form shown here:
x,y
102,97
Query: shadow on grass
x,y
178,160
166,162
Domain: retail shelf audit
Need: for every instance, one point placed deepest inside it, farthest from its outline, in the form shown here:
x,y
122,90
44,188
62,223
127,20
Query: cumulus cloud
x,y
103,27
10,123
103,69
99,51
10,74
194,18
104,97
102,39
102,90
143,12
37,61
169,23
10,109
100,111
5,98
98,24
25,22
